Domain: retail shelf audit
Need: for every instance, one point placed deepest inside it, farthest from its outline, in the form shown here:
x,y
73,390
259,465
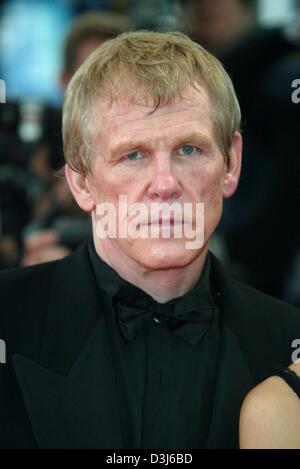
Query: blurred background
x,y
43,42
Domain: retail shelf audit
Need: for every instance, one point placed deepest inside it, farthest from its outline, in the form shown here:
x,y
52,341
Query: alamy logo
x,y
159,220
296,92
2,91
2,351
296,353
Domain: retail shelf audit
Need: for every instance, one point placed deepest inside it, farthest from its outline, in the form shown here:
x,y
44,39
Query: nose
x,y
164,184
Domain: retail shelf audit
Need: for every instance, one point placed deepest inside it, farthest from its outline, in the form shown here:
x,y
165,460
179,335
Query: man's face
x,y
168,156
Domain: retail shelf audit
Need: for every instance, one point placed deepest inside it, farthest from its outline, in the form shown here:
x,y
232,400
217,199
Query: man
x,y
139,339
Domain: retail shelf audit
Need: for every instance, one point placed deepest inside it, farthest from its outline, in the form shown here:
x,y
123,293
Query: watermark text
x,y
2,351
159,220
296,92
2,91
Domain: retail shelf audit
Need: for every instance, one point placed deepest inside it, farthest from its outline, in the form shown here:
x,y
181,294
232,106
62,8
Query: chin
x,y
163,254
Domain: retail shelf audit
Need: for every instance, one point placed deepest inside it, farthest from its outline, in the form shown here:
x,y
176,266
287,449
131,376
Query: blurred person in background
x,y
24,166
263,63
263,66
58,225
216,24
89,31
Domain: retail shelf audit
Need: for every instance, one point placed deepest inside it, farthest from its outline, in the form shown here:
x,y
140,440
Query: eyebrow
x,y
185,138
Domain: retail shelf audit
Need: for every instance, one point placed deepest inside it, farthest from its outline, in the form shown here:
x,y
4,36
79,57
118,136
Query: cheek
x,y
107,189
209,184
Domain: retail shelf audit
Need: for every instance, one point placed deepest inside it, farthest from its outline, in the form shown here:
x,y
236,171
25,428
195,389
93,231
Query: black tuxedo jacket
x,y
56,374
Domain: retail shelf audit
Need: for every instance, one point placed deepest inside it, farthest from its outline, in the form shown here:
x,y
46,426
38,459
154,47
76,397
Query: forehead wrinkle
x,y
162,117
115,112
120,108
163,123
182,105
193,128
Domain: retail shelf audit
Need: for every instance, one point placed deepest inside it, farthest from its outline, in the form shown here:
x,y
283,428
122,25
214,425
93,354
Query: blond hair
x,y
161,65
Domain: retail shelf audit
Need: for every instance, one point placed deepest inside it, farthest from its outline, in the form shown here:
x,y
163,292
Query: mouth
x,y
164,222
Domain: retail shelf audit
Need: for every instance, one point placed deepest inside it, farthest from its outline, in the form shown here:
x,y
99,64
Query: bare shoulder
x,y
270,415
296,368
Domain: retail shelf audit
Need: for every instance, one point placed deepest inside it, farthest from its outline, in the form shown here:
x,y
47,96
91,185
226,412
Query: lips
x,y
166,224
166,221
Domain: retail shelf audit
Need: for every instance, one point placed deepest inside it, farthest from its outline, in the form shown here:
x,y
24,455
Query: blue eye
x,y
135,155
188,150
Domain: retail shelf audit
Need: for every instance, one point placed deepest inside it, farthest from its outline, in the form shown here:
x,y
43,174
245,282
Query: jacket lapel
x,y
79,410
233,382
234,377
251,346
69,391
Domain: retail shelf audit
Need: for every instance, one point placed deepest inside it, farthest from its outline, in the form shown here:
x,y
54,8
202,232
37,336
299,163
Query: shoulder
x,y
33,279
23,282
38,297
270,322
270,415
19,274
24,293
264,327
250,299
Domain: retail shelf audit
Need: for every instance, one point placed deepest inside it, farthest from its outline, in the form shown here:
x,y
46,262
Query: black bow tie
x,y
188,320
188,316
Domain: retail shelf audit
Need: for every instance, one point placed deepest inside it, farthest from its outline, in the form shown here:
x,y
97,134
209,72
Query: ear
x,y
233,167
80,189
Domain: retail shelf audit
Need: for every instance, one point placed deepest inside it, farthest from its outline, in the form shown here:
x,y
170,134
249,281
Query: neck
x,y
162,285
